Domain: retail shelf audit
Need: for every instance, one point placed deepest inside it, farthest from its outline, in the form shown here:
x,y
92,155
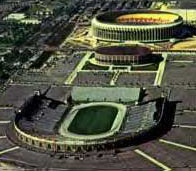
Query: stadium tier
x,y
135,25
139,118
98,94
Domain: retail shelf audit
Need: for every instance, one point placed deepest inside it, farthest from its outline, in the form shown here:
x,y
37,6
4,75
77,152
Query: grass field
x,y
93,120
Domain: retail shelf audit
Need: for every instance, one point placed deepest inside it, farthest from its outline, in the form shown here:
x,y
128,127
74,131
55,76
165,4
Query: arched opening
x,y
49,146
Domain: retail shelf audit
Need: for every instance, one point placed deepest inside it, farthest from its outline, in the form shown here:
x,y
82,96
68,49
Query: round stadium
x,y
135,25
135,55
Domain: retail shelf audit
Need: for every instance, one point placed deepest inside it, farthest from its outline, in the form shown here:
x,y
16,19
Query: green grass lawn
x,y
93,120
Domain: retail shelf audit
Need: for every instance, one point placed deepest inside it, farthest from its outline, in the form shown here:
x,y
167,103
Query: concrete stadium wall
x,y
55,145
118,59
138,33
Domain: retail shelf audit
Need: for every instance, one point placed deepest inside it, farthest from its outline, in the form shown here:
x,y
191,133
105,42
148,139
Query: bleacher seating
x,y
139,118
44,120
101,94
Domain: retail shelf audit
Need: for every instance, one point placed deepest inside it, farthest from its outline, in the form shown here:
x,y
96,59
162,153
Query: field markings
x,y
178,145
9,150
185,126
151,159
4,122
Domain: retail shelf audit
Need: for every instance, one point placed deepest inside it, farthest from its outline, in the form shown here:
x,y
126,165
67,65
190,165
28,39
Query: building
x,y
136,25
135,55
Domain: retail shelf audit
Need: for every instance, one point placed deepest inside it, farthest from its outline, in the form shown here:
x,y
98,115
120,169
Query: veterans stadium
x,y
135,25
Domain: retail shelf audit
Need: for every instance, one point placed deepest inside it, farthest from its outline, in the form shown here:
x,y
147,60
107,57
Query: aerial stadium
x,y
110,104
95,118
135,25
128,54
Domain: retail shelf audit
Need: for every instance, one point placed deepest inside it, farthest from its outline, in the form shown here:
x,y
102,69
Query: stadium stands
x,y
39,128
139,118
111,26
44,119
121,94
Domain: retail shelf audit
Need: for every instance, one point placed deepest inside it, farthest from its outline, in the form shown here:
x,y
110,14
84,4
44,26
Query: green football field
x,y
93,120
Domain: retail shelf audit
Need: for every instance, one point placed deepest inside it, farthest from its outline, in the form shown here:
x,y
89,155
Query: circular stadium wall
x,y
136,25
135,55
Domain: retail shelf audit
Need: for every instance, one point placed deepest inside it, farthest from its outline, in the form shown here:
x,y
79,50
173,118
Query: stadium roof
x,y
123,50
109,94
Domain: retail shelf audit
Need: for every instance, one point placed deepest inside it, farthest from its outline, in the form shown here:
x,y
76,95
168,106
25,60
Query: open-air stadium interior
x,y
106,85
154,18
53,122
123,26
98,118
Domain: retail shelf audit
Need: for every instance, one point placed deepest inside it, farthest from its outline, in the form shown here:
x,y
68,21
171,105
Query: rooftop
x,y
123,50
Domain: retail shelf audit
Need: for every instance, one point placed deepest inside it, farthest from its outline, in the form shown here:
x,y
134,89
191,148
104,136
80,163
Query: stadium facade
x,y
135,55
136,25
36,127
